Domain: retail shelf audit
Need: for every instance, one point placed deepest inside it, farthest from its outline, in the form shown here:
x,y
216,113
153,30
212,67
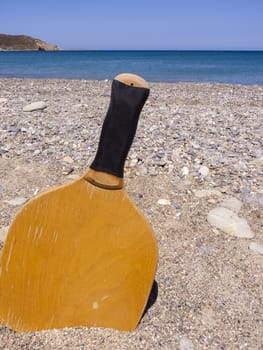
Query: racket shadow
x,y
152,298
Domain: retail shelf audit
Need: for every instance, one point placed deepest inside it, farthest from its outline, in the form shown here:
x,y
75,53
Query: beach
x,y
198,148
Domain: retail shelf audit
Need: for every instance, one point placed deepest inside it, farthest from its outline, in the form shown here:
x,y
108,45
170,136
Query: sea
x,y
229,67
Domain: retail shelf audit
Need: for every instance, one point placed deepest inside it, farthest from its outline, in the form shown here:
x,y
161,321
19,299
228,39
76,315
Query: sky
x,y
138,24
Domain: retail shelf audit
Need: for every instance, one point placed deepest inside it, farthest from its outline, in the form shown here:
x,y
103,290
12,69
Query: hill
x,y
24,42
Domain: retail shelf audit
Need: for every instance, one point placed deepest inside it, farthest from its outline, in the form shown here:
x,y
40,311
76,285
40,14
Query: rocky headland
x,y
24,43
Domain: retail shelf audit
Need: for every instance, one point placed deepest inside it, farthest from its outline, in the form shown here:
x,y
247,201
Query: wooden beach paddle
x,y
82,254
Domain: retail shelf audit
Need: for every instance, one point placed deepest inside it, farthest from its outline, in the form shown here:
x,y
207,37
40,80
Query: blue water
x,y
241,67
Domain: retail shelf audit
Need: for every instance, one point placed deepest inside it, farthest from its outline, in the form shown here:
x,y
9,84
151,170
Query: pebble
x,y
35,106
133,162
16,201
142,170
232,203
253,198
229,222
256,247
68,160
163,201
36,152
186,344
207,193
160,162
185,171
3,233
203,170
2,100
36,191
73,177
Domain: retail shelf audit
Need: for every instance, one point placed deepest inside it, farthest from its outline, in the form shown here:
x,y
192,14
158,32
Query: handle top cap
x,y
132,80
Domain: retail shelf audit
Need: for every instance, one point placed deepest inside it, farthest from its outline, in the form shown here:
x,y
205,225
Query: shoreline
x,y
150,82
198,147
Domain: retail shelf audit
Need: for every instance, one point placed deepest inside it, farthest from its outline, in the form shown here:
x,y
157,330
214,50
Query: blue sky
x,y
138,24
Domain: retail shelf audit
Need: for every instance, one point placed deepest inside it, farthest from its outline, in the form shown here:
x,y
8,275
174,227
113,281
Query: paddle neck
x,y
117,134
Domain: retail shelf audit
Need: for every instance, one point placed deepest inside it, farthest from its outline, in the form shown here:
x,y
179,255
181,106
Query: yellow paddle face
x,y
78,255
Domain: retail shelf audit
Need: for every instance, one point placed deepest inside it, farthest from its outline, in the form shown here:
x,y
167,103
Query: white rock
x,y
142,170
36,152
2,99
229,222
232,203
68,160
133,162
185,171
163,201
3,233
258,248
36,191
16,201
24,129
203,170
186,344
35,106
254,198
195,145
73,176
207,193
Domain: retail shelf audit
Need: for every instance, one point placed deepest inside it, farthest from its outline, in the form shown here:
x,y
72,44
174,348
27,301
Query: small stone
x,y
3,150
36,191
160,162
163,201
175,205
253,198
211,201
2,99
24,129
73,176
133,162
232,203
68,160
185,171
142,170
186,344
195,145
257,248
36,152
133,155
229,222
35,106
207,193
16,201
205,250
3,233
203,170
13,129
67,171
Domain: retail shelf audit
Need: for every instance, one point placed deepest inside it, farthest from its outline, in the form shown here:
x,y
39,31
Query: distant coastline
x,y
24,43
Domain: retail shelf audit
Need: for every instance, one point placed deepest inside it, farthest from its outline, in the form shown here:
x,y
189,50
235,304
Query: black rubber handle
x,y
119,127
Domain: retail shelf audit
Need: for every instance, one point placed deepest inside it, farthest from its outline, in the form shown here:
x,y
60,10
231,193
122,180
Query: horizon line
x,y
230,50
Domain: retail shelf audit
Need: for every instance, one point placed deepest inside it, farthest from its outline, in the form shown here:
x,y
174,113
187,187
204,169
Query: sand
x,y
198,147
